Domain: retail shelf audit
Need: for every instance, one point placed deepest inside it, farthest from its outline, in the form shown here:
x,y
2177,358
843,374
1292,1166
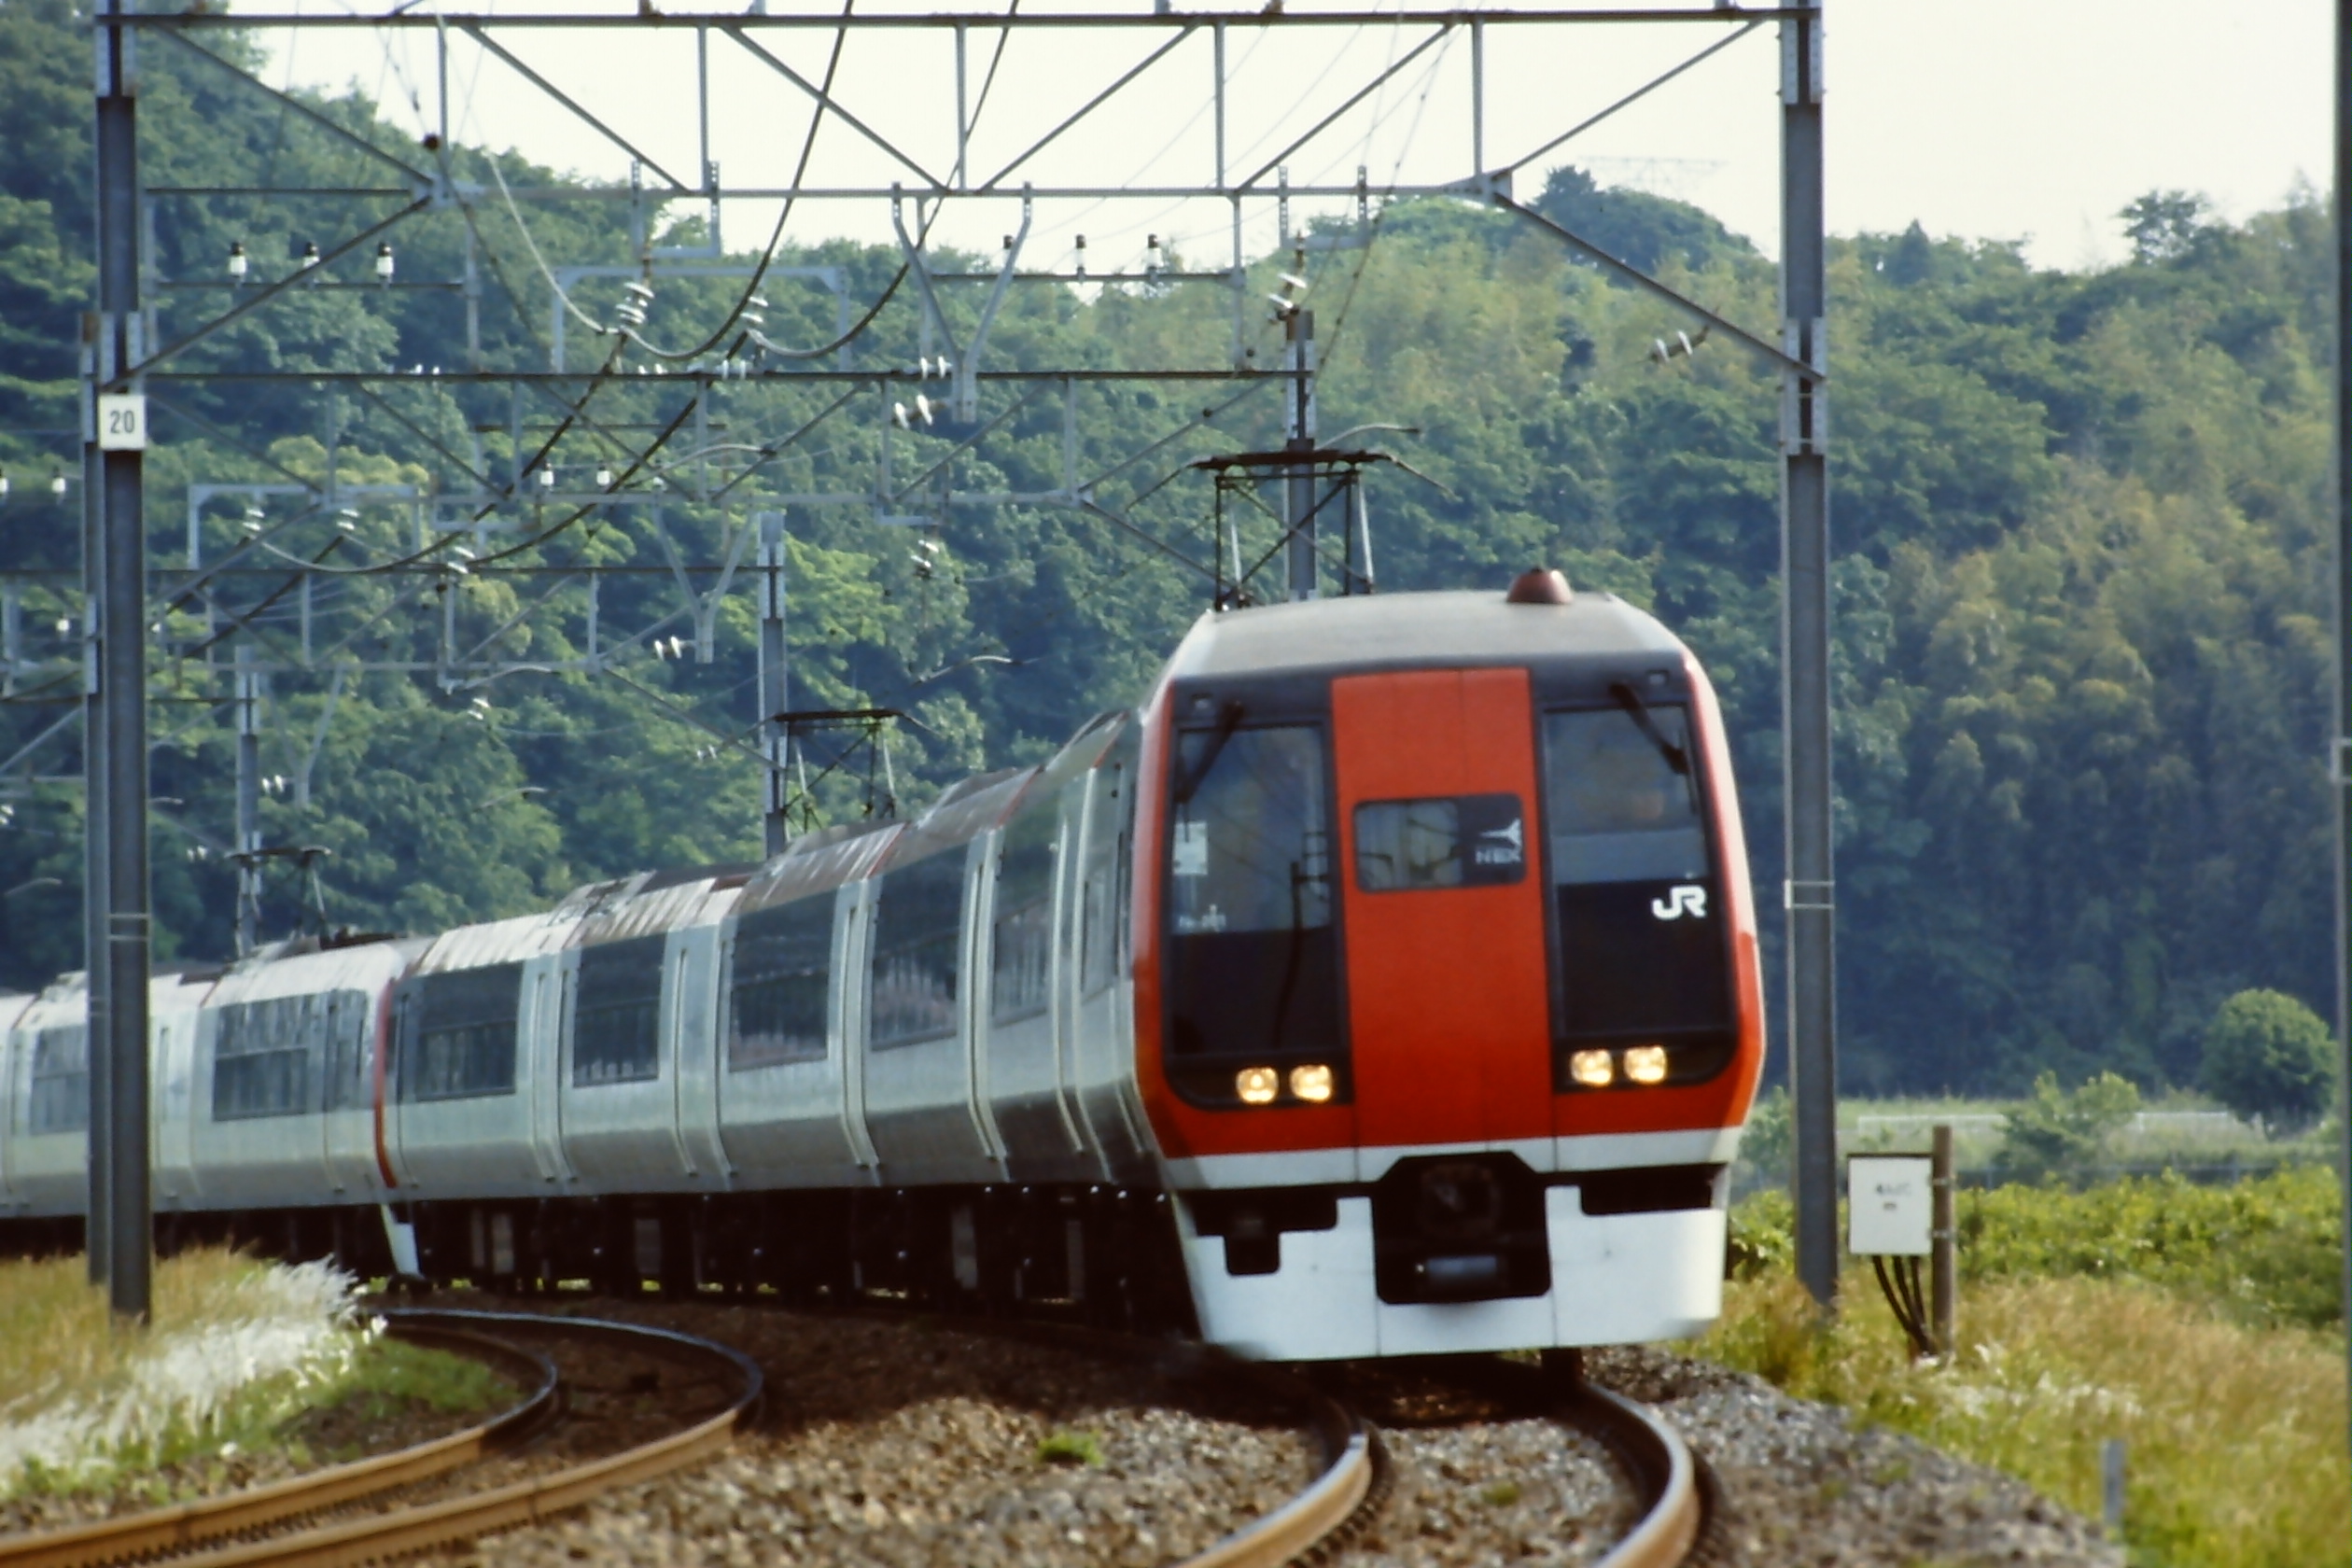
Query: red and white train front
x,y
1446,1001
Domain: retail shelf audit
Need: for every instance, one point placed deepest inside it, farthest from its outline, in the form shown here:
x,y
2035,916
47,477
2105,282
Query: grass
x,y
238,1349
1070,1447
2235,1432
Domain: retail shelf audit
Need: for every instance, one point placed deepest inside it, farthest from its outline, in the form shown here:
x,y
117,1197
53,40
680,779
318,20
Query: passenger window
x,y
350,1079
262,1058
1103,890
458,1033
1022,940
616,1013
783,958
916,933
60,1100
1456,841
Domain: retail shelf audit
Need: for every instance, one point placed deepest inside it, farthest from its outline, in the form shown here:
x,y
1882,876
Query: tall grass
x,y
2235,1433
236,1345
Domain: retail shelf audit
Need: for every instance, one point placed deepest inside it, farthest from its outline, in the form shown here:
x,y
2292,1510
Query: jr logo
x,y
1680,901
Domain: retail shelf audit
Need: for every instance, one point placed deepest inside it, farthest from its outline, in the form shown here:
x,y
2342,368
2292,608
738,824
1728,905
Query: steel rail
x,y
374,1538
1661,1463
174,1529
1351,1468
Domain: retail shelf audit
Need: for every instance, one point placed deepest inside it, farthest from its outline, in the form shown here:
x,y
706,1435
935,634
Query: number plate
x,y
122,421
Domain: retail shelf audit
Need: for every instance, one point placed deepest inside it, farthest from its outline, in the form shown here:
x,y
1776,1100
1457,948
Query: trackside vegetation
x,y
238,1350
2202,1325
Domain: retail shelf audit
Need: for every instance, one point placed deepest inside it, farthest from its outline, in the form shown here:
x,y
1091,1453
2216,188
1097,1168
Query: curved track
x,y
183,1532
1671,1486
1345,1494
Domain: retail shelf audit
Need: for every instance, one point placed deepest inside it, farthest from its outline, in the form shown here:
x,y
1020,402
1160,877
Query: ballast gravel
x,y
917,1444
1805,1486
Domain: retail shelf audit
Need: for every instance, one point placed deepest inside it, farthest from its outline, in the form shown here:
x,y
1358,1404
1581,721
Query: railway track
x,y
1675,1522
314,1521
282,1524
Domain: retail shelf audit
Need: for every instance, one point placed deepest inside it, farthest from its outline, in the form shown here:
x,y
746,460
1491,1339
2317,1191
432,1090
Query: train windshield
x,y
1641,944
1253,957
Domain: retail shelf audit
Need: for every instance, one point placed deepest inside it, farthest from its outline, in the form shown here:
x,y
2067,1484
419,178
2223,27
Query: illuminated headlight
x,y
1593,1069
1257,1085
1646,1064
1312,1083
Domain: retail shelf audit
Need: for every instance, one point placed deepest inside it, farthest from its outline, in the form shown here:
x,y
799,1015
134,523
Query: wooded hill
x,y
2082,524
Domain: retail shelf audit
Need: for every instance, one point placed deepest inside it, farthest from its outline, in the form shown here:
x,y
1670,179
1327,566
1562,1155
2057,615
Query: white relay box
x,y
1890,1205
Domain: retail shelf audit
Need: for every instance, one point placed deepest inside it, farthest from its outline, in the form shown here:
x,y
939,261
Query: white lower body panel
x,y
1616,1279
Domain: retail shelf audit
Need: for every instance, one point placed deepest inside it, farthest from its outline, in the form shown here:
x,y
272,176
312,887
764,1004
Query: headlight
x,y
1257,1085
1593,1069
1646,1064
1312,1083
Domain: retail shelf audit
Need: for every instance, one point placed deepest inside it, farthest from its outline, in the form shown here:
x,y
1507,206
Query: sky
x,y
2026,120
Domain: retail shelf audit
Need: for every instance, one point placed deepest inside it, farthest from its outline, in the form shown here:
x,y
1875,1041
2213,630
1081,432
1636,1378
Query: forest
x,y
2081,521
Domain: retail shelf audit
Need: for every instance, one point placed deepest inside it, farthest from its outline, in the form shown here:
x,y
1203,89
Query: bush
x,y
2055,1129
1761,1240
2269,1057
1771,1135
2262,1251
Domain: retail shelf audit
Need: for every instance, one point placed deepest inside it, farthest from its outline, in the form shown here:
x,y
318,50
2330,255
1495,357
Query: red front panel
x,y
1448,995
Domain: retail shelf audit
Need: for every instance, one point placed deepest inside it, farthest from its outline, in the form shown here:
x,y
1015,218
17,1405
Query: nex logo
x,y
1680,901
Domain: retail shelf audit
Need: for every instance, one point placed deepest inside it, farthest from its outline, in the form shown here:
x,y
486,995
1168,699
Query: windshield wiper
x,y
1189,781
1630,700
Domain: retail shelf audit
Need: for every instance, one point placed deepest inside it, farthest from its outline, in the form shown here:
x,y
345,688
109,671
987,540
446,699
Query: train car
x,y
1385,984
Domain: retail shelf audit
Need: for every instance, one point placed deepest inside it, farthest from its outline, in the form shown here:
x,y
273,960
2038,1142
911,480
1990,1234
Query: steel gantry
x,y
732,407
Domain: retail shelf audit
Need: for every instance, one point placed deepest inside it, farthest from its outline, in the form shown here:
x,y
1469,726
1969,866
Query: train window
x,y
1462,841
262,1058
350,1084
458,1033
1253,958
1619,810
617,1012
918,928
1022,940
1103,890
1641,944
60,1100
783,958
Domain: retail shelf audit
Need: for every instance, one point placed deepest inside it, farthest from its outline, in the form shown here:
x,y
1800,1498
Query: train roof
x,y
1408,631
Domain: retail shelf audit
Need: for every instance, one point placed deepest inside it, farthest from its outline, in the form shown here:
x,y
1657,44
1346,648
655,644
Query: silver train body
x,y
638,1084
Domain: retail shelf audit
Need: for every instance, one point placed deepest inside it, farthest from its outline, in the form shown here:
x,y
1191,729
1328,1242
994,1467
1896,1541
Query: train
x,y
1385,983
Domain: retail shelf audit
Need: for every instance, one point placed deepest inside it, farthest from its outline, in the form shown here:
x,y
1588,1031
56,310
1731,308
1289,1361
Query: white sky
x,y
2032,120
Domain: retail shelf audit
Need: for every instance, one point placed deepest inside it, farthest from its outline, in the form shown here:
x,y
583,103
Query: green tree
x,y
2268,1056
2055,1131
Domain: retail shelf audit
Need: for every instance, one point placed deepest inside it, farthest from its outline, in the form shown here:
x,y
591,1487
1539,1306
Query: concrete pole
x,y
122,686
95,883
1810,892
248,705
775,683
2340,760
1299,514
